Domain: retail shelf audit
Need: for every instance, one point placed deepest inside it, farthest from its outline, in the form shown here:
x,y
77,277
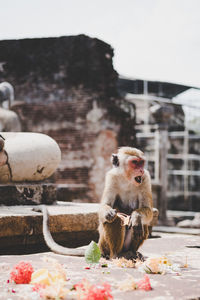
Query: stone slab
x,y
175,229
71,224
165,287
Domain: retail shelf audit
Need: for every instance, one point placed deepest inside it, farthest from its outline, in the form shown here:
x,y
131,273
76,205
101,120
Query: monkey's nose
x,y
142,171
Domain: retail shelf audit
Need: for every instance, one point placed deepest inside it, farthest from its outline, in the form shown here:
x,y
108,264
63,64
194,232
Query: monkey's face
x,y
134,169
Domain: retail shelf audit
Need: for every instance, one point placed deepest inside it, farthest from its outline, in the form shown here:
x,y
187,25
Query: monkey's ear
x,y
115,160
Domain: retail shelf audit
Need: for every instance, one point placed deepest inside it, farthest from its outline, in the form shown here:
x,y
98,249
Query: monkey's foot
x,y
139,256
106,256
130,255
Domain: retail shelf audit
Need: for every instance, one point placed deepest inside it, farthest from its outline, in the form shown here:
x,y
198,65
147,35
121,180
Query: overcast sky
x,y
152,39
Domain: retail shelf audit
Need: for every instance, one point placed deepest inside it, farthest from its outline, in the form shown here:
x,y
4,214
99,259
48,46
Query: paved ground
x,y
165,287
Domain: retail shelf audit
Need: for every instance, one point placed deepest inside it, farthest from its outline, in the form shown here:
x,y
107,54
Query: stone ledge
x,y
18,220
71,224
175,229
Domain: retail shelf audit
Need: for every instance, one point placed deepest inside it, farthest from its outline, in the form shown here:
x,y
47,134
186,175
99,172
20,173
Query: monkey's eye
x,y
141,163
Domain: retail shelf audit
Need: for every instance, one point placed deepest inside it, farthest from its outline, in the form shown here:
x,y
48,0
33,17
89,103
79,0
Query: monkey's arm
x,y
146,203
106,212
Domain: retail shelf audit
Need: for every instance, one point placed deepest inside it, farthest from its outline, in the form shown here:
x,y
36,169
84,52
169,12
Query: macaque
x,y
128,191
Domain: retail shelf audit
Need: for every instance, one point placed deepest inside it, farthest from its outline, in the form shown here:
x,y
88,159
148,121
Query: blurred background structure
x,y
97,76
167,138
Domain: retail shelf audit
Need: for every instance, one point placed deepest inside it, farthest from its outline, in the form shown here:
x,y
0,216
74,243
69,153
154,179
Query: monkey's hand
x,y
110,215
136,223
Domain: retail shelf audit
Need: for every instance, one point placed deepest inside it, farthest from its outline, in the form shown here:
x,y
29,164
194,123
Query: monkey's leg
x,y
114,236
139,239
102,242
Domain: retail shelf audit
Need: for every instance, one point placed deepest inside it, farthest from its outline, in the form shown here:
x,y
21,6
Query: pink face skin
x,y
135,169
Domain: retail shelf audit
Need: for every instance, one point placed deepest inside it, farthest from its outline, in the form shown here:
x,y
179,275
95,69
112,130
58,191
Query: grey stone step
x,y
175,229
71,224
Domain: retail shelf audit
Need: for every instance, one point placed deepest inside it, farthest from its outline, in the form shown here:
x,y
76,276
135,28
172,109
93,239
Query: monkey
x,y
127,190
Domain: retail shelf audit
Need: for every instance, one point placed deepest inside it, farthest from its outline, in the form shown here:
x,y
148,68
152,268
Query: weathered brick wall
x,y
66,88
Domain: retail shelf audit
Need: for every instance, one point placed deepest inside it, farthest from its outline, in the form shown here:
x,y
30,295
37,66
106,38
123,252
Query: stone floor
x,y
178,247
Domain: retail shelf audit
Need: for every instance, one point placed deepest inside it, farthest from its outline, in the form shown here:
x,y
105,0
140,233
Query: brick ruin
x,y
67,88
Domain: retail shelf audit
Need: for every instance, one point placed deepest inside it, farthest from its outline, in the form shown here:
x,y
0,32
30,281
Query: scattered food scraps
x,y
21,273
159,265
86,290
144,283
128,284
131,284
124,263
92,253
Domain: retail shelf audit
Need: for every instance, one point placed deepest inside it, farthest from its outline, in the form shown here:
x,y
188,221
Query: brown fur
x,y
131,151
122,194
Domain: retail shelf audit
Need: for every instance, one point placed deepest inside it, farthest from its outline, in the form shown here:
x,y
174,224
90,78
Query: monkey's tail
x,y
52,244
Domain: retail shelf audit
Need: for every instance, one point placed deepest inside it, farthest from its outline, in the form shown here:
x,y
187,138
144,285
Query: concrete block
x,y
71,225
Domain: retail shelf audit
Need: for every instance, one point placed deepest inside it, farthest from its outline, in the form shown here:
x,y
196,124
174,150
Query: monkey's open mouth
x,y
138,179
